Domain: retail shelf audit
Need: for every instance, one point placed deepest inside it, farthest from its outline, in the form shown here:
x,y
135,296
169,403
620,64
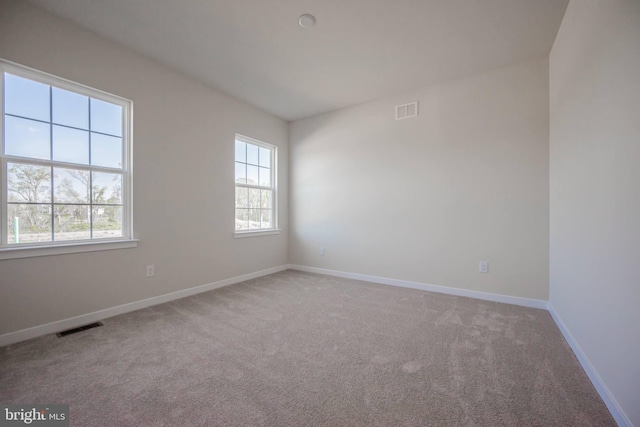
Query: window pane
x,y
28,183
252,154
241,173
265,198
26,98
265,177
70,186
242,197
254,198
70,109
64,158
70,145
241,151
252,175
71,222
254,219
107,222
29,223
107,188
106,117
265,157
27,138
106,151
265,218
242,216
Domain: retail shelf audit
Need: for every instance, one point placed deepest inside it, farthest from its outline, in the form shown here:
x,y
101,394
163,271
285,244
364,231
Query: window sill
x,y
70,248
256,233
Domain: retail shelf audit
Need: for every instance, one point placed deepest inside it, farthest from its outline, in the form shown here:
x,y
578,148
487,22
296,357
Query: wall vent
x,y
406,111
78,329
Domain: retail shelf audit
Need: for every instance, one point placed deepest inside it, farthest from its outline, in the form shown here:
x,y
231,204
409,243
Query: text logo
x,y
34,415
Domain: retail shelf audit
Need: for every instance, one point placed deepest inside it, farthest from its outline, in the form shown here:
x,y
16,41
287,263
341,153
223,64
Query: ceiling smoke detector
x,y
307,20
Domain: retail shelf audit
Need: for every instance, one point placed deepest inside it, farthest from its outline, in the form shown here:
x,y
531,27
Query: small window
x,y
65,166
255,185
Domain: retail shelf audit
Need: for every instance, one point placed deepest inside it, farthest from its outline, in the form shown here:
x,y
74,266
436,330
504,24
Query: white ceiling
x,y
359,49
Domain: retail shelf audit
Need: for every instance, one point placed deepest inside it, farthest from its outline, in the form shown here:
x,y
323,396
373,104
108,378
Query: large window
x,y
65,169
255,185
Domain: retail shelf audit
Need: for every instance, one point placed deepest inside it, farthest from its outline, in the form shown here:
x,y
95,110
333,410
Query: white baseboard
x,y
74,322
525,302
612,404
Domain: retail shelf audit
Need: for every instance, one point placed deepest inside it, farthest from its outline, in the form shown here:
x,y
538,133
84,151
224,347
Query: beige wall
x,y
595,189
425,199
183,180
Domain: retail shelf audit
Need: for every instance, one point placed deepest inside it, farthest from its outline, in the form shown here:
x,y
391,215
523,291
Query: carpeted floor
x,y
298,349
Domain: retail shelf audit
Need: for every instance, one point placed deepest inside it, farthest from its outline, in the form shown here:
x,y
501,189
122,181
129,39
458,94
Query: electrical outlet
x,y
151,270
321,251
483,267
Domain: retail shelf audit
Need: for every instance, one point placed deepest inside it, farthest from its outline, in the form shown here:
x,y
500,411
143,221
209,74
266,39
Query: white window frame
x,y
274,187
32,249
